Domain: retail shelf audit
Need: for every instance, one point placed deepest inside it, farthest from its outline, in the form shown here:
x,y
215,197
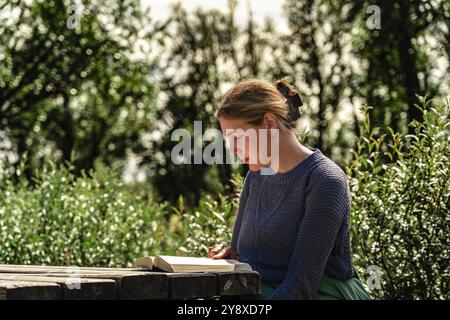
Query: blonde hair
x,y
250,100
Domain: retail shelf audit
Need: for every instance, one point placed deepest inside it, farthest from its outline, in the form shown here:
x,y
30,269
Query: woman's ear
x,y
270,121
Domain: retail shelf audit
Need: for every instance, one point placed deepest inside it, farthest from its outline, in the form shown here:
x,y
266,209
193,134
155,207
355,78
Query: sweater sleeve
x,y
327,202
242,202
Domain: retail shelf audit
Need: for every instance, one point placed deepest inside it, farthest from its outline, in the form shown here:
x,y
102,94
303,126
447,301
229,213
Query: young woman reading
x,y
292,226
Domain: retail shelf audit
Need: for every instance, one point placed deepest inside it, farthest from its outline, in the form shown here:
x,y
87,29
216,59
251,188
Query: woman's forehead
x,y
234,124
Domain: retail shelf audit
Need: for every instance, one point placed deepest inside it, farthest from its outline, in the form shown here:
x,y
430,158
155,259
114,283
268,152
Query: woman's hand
x,y
222,252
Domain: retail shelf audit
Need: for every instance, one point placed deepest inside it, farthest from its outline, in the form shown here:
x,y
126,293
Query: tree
x,y
399,59
205,52
312,53
70,87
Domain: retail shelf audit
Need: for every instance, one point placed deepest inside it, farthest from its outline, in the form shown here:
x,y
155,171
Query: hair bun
x,y
292,96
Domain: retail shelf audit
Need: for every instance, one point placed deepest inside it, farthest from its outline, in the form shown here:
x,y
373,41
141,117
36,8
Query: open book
x,y
191,264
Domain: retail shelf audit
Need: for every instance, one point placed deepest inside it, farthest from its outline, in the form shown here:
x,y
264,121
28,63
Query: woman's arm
x,y
327,204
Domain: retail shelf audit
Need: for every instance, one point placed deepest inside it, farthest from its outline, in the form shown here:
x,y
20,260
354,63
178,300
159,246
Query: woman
x,y
292,226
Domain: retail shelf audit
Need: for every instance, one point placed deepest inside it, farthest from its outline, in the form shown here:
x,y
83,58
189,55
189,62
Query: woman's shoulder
x,y
327,171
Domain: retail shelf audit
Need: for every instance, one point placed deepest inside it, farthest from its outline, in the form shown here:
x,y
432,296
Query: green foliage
x,y
61,219
198,44
82,91
87,95
397,60
400,213
304,55
401,205
210,223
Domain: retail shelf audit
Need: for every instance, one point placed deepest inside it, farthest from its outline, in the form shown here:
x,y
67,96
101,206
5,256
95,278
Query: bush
x,y
210,223
60,219
400,206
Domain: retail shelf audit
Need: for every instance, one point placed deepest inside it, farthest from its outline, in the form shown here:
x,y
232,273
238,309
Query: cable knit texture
x,y
292,227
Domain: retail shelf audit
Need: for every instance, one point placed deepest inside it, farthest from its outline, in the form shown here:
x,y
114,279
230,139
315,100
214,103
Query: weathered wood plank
x,y
192,285
9,268
238,283
138,283
129,285
70,270
27,290
71,289
141,286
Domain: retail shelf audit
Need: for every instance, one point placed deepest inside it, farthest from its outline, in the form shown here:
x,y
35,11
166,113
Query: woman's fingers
x,y
226,253
222,252
220,255
212,251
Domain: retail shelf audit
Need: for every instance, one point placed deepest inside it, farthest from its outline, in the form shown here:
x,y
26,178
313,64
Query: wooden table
x,y
70,283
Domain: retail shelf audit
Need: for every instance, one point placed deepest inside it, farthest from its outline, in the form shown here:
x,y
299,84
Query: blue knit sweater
x,y
292,227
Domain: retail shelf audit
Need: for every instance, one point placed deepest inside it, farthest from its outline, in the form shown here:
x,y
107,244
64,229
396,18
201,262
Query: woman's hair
x,y
250,100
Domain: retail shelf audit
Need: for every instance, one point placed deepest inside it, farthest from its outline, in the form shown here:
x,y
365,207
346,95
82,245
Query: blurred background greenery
x,y
90,92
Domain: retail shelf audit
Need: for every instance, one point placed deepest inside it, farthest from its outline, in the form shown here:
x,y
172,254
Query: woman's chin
x,y
254,167
251,166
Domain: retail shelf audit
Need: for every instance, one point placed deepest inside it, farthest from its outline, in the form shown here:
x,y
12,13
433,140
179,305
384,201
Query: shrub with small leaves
x,y
61,219
401,204
210,223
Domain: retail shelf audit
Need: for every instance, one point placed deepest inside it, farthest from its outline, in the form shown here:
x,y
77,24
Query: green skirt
x,y
330,289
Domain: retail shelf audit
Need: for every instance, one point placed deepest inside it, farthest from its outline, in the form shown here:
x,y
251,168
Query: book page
x,y
144,262
197,264
194,261
240,266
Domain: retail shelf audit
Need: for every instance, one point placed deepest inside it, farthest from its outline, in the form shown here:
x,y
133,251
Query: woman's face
x,y
244,140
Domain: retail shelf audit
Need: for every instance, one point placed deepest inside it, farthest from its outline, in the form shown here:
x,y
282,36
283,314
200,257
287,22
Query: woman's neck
x,y
291,151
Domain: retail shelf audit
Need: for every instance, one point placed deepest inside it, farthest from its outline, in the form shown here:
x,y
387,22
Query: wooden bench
x,y
69,283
